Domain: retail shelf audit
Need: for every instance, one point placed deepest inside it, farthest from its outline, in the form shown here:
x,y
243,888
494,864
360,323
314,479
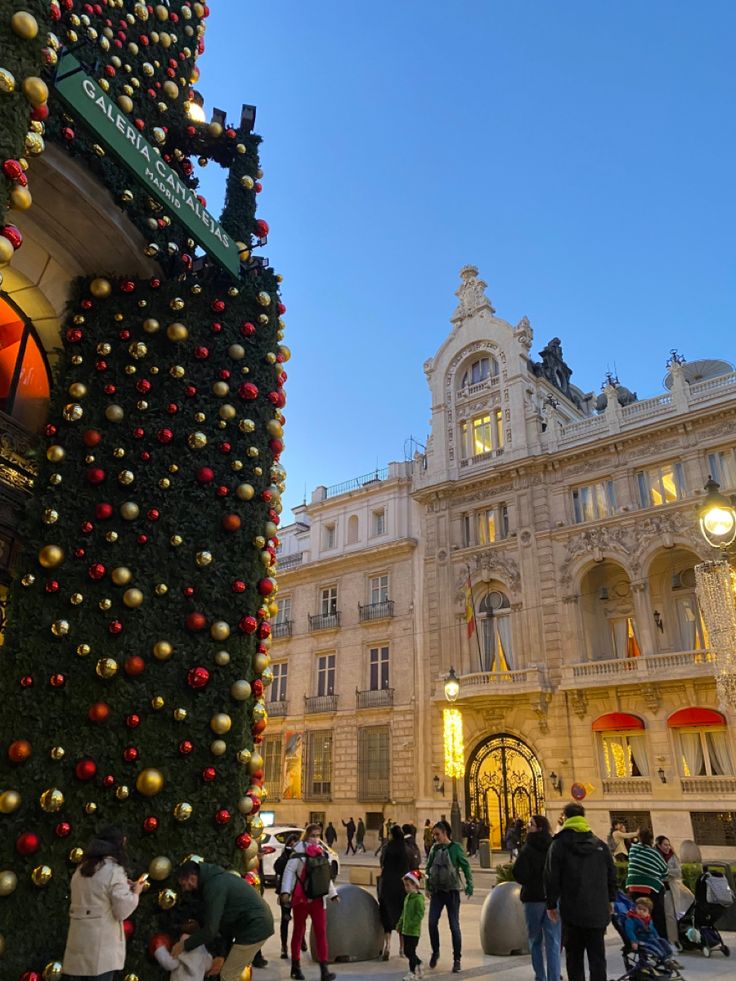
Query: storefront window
x,y
25,384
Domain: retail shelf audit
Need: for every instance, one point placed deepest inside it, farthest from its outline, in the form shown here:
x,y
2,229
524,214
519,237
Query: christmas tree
x,y
137,653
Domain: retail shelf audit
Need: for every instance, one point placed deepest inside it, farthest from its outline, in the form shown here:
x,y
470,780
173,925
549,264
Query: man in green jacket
x,y
233,909
445,861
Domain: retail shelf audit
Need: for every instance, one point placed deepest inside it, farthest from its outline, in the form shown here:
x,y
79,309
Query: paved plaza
x,y
476,964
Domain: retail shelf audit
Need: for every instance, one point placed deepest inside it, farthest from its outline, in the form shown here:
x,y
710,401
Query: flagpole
x,y
475,618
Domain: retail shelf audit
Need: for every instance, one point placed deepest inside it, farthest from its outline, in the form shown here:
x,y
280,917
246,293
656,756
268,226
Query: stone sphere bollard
x,y
690,852
354,931
502,922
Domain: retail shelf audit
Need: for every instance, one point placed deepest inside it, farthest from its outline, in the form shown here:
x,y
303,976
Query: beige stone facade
x,y
572,517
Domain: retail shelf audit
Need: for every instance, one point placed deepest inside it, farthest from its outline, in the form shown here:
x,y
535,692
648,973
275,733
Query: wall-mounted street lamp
x,y
662,775
439,785
556,782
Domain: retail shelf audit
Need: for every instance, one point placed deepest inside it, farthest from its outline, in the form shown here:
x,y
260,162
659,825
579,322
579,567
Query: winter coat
x,y
579,876
674,869
330,835
360,832
618,842
639,931
190,965
410,921
458,858
413,855
528,869
427,836
232,908
394,865
647,869
349,828
99,904
294,875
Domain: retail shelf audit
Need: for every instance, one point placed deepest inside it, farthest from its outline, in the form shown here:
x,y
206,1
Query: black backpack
x,y
316,879
443,876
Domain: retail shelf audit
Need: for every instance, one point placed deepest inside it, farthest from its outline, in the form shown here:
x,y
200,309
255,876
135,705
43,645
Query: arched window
x,y
479,371
25,379
622,746
494,613
702,742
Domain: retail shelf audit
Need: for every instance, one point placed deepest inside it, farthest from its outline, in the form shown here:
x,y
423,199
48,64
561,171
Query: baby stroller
x,y
641,964
697,928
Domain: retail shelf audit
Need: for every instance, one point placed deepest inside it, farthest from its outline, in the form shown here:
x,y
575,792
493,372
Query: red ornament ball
x,y
128,929
27,843
248,391
108,781
195,622
98,712
96,571
265,586
57,680
222,491
262,228
231,522
30,976
127,286
143,386
150,824
243,840
19,751
85,769
198,677
115,628
13,235
185,747
63,829
132,721
257,687
205,475
103,511
190,391
73,335
238,586
91,437
86,527
26,681
201,353
188,591
209,774
51,586
165,436
95,476
134,665
131,754
223,816
153,514
264,630
50,429
217,306
224,447
248,625
139,432
142,539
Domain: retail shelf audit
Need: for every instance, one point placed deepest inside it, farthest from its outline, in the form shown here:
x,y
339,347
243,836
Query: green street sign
x,y
84,96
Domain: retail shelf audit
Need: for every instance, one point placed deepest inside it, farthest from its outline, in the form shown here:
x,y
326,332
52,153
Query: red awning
x,y
617,720
695,717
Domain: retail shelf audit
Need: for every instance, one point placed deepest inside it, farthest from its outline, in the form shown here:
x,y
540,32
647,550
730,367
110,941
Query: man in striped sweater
x,y
646,876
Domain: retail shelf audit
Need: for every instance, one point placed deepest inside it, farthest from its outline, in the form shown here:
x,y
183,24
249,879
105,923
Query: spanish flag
x,y
469,608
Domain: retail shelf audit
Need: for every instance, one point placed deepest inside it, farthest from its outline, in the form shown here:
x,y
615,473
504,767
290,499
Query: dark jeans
x,y
579,941
437,902
351,847
284,927
410,950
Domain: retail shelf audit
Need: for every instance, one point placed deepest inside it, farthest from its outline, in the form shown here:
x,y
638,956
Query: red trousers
x,y
299,913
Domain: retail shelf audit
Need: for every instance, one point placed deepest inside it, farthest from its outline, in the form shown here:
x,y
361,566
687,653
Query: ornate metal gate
x,y
504,782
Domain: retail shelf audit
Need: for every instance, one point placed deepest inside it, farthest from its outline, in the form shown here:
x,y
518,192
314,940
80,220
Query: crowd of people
x,y
568,885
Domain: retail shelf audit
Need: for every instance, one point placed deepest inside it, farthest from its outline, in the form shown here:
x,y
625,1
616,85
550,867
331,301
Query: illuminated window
x,y
482,434
623,754
704,752
594,501
661,485
623,637
25,380
492,524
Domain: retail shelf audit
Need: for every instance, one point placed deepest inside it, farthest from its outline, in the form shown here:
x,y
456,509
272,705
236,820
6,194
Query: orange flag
x,y
469,609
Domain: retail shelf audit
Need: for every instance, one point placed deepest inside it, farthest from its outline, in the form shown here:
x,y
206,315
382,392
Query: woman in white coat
x,y
102,897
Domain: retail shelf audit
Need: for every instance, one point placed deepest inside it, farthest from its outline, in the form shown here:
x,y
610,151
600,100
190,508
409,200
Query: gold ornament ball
x,y
125,103
167,898
7,81
129,510
175,541
251,851
149,782
260,662
20,198
256,762
227,412
159,868
256,826
51,800
106,667
24,25
55,453
240,690
52,971
218,747
57,753
264,298
83,650
203,559
151,325
222,658
72,412
274,428
10,801
177,332
91,807
160,589
157,703
28,579
245,805
246,425
114,413
8,882
179,714
132,598
122,792
35,90
121,575
77,390
244,756
138,350
50,516
245,492
196,440
60,628
182,811
220,389
162,650
76,855
267,676
101,288
105,604
6,251
50,556
259,712
41,875
236,352
171,89
221,723
220,630
270,529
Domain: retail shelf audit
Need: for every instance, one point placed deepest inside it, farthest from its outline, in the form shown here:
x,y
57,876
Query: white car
x,y
272,844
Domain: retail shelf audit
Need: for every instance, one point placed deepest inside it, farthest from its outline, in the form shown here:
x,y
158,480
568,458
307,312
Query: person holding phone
x,y
102,897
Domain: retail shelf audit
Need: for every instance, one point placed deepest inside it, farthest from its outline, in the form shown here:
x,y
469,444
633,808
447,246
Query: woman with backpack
x,y
445,862
306,886
391,891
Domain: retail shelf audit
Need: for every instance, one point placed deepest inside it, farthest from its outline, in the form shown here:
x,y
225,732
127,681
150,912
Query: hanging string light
x,y
453,739
716,586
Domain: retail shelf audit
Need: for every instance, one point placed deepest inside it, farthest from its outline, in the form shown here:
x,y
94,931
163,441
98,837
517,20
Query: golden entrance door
x,y
504,782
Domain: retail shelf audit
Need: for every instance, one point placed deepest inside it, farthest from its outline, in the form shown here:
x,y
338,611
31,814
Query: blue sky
x,y
581,154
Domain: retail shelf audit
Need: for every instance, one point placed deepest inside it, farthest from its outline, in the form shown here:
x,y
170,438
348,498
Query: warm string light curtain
x,y
453,737
715,587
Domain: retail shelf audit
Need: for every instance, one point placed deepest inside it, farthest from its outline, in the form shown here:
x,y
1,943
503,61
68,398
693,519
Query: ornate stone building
x,y
572,518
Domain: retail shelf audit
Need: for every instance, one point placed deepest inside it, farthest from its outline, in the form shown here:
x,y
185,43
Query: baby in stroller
x,y
646,954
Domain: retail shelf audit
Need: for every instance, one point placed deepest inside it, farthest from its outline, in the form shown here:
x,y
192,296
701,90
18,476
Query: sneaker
x,y
409,977
434,958
456,966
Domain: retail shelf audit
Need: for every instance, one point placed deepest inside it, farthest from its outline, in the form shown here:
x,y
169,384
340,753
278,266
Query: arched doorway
x,y
504,781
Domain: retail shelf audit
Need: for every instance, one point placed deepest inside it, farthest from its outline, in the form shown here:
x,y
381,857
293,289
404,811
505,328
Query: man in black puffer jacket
x,y
544,934
579,877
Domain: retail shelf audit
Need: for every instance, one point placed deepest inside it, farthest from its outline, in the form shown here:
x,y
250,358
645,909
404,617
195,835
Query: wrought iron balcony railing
x,y
282,629
380,698
376,611
314,704
324,621
277,709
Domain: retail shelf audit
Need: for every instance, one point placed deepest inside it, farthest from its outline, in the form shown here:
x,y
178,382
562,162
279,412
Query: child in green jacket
x,y
410,922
